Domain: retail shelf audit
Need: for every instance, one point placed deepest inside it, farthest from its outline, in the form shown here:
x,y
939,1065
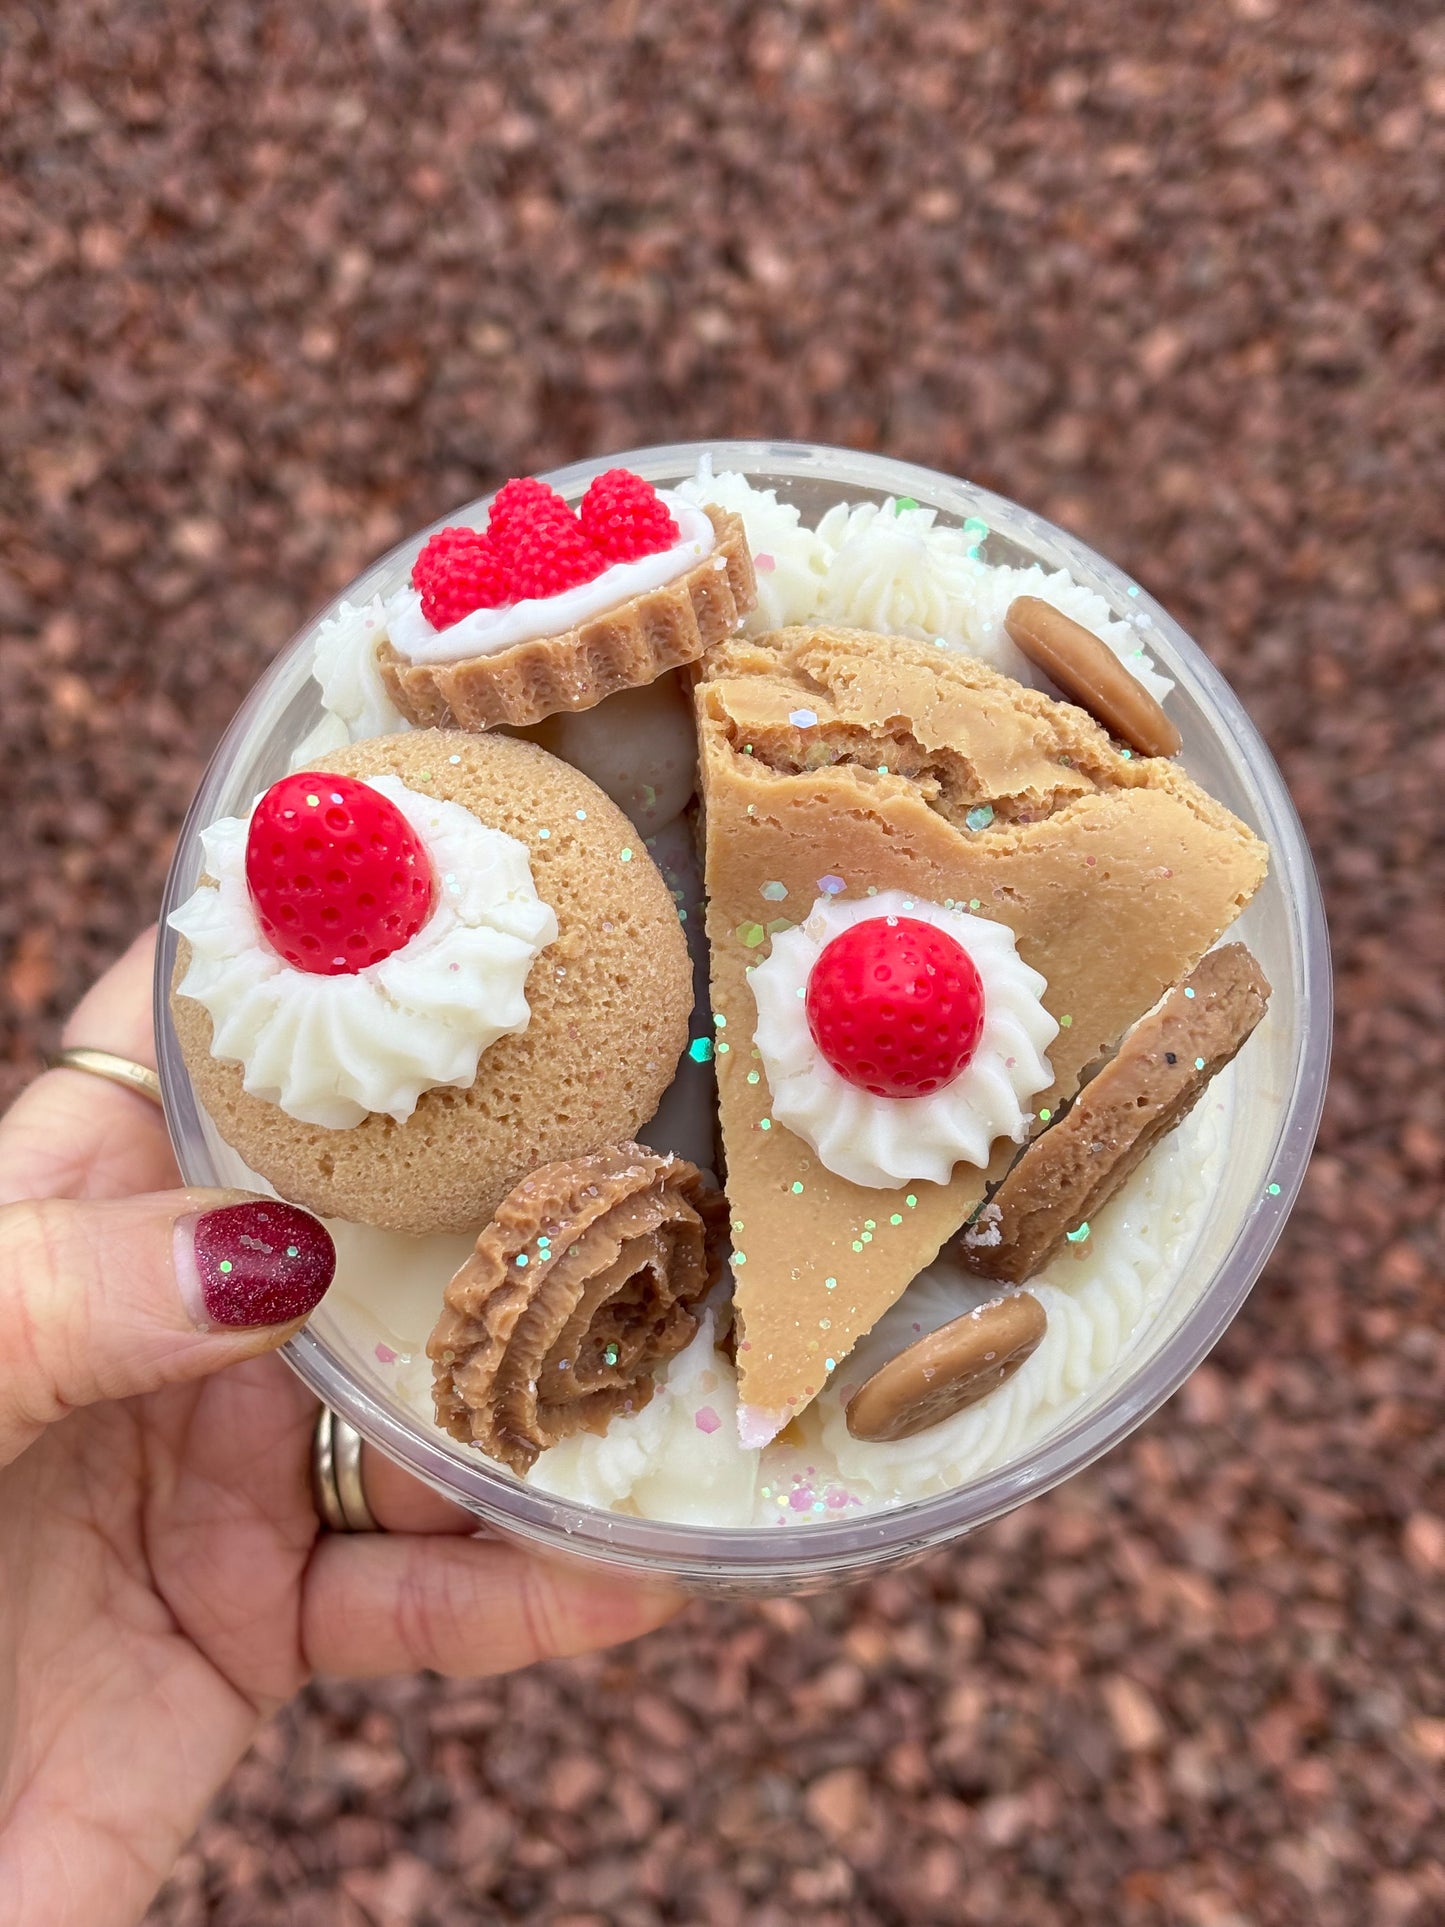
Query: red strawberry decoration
x,y
626,517
338,878
534,546
896,1006
458,571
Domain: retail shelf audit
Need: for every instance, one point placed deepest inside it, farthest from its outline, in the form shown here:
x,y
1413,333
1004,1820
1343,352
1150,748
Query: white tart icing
x,y
487,631
330,1050
882,1142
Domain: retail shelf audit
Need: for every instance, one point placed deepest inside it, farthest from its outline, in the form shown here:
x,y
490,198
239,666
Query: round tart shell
x,y
611,1000
623,648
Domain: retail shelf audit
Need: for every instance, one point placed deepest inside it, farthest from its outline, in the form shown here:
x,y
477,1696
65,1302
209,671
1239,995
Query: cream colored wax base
x,y
679,1459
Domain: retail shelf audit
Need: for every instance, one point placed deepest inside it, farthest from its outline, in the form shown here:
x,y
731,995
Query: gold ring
x,y
115,1070
336,1475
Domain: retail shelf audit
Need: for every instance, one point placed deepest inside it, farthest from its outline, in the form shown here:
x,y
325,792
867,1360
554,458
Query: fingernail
x,y
257,1263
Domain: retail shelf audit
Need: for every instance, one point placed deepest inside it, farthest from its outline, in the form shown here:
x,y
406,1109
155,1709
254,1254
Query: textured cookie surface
x,y
1163,1066
610,1002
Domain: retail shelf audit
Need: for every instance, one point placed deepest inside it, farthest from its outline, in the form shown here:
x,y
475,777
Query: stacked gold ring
x,y
336,1475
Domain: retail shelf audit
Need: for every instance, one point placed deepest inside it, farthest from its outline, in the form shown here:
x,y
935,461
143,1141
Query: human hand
x,y
164,1582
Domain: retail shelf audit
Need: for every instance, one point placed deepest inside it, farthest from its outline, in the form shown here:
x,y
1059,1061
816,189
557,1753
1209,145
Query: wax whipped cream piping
x,y
353,694
487,631
882,1142
788,558
1098,1297
886,567
675,1459
330,1050
897,569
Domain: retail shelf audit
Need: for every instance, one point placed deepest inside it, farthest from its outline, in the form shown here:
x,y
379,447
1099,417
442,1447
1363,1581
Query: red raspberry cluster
x,y
534,546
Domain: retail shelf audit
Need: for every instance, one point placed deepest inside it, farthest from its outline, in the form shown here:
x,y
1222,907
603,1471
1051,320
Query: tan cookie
x,y
625,648
579,1288
610,998
950,1369
1091,675
1072,1169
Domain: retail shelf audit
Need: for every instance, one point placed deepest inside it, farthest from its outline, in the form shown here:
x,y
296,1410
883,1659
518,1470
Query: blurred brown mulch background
x,y
282,282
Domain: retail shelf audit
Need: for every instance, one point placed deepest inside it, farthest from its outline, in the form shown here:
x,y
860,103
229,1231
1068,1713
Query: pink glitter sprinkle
x,y
801,1498
386,1354
765,563
707,1419
837,1498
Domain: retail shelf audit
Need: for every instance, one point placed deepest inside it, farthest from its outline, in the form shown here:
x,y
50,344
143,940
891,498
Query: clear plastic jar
x,y
1279,1088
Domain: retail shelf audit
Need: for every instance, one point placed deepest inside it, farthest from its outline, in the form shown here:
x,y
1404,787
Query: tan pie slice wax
x,y
830,754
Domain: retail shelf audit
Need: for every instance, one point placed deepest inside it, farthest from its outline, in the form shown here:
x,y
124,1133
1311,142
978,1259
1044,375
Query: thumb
x,y
101,1301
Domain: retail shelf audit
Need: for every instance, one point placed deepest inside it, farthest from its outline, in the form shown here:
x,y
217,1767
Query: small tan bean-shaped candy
x,y
1091,675
951,1368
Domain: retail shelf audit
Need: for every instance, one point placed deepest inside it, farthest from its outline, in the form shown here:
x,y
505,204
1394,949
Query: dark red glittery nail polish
x,y
258,1263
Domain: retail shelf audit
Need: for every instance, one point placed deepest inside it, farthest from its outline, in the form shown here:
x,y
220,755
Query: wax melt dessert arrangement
x,y
747,994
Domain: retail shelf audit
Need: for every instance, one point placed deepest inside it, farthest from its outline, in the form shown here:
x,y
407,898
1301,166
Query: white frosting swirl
x,y
331,1050
352,692
886,1141
677,1458
984,636
1098,1297
902,572
893,570
788,558
868,566
486,631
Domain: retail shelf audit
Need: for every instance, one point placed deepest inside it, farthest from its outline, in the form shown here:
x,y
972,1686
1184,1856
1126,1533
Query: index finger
x,y
74,1135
